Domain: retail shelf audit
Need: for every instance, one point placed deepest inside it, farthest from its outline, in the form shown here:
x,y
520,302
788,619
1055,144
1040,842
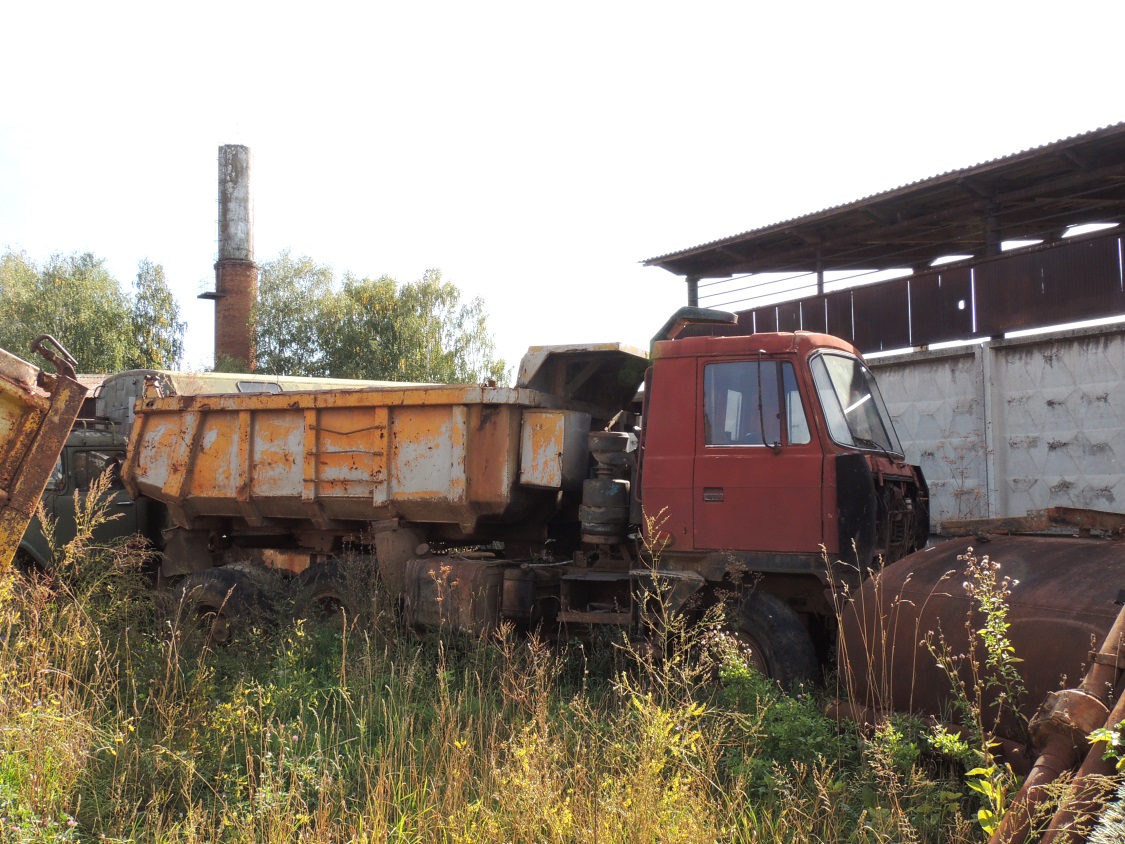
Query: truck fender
x,y
185,551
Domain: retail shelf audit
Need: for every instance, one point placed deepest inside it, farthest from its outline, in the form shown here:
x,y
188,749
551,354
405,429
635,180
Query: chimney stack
x,y
236,274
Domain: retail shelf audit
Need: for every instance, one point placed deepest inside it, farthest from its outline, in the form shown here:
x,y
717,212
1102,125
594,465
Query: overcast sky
x,y
536,153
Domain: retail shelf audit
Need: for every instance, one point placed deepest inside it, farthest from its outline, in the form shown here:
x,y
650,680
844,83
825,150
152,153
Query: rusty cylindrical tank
x,y
1062,606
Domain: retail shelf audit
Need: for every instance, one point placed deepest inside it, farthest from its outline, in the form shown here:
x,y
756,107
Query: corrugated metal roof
x,y
1032,194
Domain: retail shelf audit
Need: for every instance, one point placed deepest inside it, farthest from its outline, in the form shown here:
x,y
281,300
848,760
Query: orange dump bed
x,y
327,458
36,414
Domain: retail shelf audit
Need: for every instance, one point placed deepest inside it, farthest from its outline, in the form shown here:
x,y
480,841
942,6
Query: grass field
x,y
115,727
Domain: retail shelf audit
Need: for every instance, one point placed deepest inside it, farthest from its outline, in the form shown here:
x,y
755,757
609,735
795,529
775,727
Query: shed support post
x,y
692,291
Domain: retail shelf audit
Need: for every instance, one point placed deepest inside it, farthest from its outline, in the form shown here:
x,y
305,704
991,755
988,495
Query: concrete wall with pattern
x,y
1014,425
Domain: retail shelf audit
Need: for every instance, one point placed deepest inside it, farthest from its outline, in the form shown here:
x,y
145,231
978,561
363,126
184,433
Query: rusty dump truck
x,y
553,505
37,410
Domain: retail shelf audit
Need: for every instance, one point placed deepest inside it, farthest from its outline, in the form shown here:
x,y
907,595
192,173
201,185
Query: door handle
x,y
712,493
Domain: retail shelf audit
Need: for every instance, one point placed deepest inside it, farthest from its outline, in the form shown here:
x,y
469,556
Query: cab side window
x,y
747,403
87,465
58,476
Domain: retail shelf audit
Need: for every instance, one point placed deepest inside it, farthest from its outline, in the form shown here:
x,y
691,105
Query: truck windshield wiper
x,y
869,443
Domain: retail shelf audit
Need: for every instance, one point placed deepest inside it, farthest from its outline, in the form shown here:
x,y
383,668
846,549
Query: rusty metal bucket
x,y
36,412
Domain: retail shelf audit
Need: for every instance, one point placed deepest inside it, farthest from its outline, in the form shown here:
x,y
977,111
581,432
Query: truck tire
x,y
779,643
213,604
336,592
26,565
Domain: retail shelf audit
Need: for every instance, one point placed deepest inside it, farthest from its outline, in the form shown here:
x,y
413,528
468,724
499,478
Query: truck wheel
x,y
213,604
780,646
26,565
335,592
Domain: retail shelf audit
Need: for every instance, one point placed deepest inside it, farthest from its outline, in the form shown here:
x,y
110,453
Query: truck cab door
x,y
81,467
759,468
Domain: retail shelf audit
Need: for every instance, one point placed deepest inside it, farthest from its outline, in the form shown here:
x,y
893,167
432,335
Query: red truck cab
x,y
765,452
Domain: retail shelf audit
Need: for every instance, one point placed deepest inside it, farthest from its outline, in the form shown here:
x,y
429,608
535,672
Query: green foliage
x,y
156,321
372,329
1114,750
992,784
784,726
74,298
289,316
986,684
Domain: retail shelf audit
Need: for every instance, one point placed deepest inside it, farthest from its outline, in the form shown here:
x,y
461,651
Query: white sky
x,y
534,152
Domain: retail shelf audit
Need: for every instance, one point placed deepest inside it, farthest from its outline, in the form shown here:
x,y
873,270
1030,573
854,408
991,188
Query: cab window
x,y
87,465
752,403
58,476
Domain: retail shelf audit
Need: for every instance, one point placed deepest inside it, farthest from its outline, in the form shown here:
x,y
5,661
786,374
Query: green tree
x,y
157,329
415,332
74,298
369,328
18,280
289,315
359,333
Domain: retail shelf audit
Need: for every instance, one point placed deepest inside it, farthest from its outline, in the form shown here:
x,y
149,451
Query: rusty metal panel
x,y
881,322
454,593
351,447
941,306
1050,286
36,414
553,450
838,307
1053,519
765,319
22,406
603,376
814,316
428,454
789,316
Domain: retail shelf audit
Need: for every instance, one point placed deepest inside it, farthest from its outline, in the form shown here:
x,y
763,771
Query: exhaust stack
x,y
236,274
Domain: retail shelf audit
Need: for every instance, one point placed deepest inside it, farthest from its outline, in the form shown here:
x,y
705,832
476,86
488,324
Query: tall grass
x,y
113,729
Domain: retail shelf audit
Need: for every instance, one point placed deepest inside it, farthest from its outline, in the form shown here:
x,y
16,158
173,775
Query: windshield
x,y
852,405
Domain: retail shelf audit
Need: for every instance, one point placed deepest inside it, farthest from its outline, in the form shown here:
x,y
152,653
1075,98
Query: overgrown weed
x,y
112,730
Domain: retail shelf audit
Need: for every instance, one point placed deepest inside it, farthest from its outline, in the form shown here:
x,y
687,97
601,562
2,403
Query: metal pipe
x,y
1059,755
1085,798
1058,732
